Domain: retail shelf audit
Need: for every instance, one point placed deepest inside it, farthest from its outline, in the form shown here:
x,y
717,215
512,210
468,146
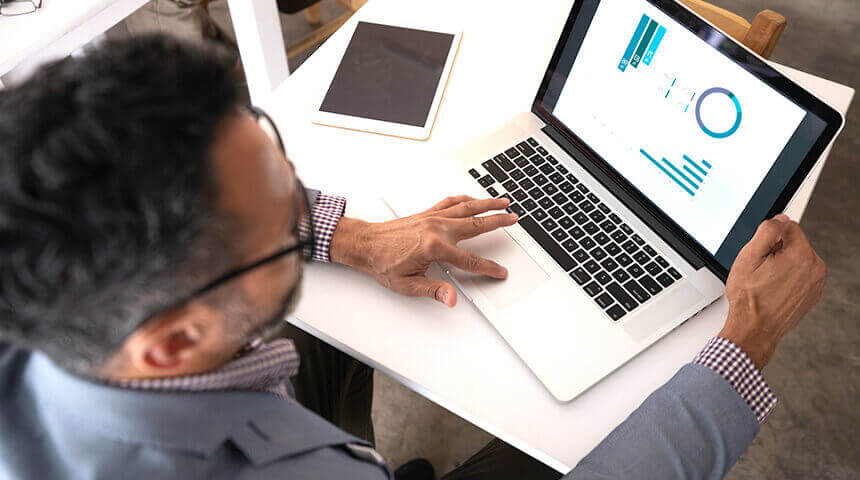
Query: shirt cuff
x,y
326,212
727,359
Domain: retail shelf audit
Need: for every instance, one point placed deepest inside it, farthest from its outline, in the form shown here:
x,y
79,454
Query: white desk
x,y
56,30
454,357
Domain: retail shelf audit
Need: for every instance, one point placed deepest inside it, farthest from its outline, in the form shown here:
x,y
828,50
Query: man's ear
x,y
182,341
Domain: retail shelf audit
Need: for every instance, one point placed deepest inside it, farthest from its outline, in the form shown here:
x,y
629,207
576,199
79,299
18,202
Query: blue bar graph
x,y
680,173
631,47
643,45
652,49
706,163
667,172
700,169
691,172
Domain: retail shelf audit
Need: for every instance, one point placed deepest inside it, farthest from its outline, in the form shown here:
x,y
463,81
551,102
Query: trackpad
x,y
524,275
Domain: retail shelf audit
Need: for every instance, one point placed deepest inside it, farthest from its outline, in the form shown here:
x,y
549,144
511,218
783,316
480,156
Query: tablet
x,y
390,80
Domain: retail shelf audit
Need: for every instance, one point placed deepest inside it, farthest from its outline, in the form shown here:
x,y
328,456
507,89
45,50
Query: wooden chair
x,y
759,36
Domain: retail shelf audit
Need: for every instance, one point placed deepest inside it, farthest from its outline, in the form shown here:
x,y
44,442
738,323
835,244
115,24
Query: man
x,y
151,239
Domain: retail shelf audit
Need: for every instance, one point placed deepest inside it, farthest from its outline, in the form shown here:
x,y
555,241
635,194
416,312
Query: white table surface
x,y
57,29
454,357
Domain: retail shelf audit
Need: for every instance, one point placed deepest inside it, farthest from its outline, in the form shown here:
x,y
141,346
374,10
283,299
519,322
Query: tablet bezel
x,y
743,57
390,128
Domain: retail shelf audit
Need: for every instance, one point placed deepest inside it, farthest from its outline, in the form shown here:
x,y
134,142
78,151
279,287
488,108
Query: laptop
x,y
655,146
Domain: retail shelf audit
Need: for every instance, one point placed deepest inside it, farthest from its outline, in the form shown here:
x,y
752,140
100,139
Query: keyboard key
x,y
508,197
569,245
547,169
582,188
537,160
486,181
672,272
597,216
653,287
629,246
550,189
570,208
653,268
580,255
661,261
608,226
602,278
562,169
546,203
587,243
503,162
474,173
519,195
641,257
566,187
598,253
591,266
522,162
510,185
565,261
621,275
525,149
623,226
556,178
512,152
636,238
618,236
637,291
518,209
650,251
579,218
579,276
532,141
576,196
590,227
495,170
549,224
531,170
540,179
615,218
529,204
536,193
586,206
559,198
552,160
603,208
608,264
559,234
539,214
576,232
604,300
623,260
593,198
612,249
565,222
665,279
615,312
592,288
527,184
517,175
570,178
542,150
492,191
635,271
621,296
601,238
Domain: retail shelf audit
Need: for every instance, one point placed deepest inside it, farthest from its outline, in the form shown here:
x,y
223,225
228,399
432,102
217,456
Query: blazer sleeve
x,y
694,426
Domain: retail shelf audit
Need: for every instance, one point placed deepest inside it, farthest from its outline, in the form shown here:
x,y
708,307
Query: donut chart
x,y
738,115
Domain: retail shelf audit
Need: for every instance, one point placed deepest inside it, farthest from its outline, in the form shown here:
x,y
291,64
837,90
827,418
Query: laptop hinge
x,y
628,200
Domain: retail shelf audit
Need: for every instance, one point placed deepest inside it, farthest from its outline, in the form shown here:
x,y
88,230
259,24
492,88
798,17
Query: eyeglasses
x,y
304,228
12,8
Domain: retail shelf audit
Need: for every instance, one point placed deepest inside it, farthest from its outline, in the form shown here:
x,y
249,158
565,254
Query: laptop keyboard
x,y
613,264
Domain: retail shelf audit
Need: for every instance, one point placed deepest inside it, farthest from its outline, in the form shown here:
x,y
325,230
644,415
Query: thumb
x,y
438,290
768,239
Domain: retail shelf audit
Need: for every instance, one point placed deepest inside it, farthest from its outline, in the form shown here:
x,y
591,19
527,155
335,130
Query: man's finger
x,y
468,261
450,202
465,228
767,239
436,289
475,207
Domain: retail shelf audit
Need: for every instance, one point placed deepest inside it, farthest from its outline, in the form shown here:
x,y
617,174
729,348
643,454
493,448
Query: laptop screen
x,y
695,132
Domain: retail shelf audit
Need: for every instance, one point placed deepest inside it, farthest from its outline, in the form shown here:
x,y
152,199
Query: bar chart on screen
x,y
690,176
643,44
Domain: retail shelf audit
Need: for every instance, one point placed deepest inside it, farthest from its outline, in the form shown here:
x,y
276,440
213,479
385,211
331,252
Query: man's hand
x,y
398,253
775,280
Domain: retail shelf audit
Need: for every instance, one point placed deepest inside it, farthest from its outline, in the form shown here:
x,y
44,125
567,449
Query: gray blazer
x,y
55,425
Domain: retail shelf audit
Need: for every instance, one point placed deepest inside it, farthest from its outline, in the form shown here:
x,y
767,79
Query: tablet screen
x,y
389,74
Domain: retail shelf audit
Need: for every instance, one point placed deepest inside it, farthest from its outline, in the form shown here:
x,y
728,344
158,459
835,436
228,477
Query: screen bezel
x,y
741,56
